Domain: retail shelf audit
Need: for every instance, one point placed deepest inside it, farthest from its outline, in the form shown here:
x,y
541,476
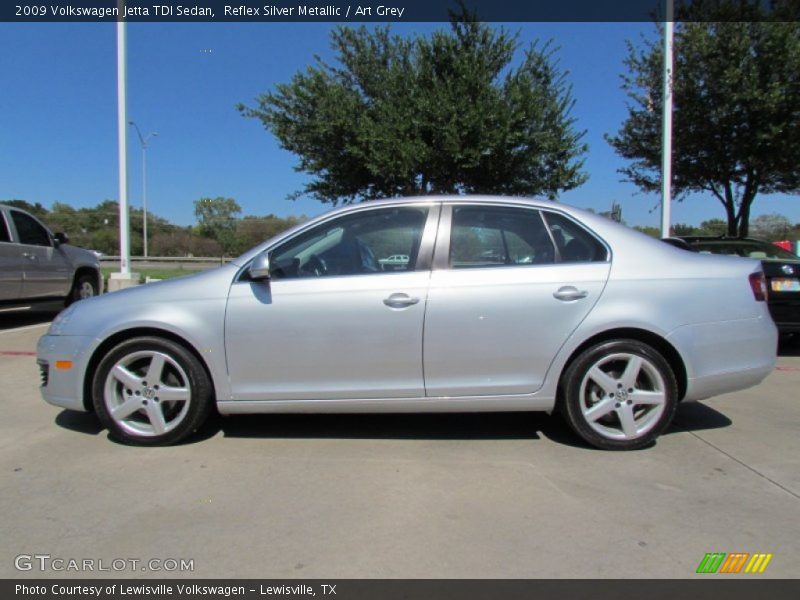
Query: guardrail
x,y
220,260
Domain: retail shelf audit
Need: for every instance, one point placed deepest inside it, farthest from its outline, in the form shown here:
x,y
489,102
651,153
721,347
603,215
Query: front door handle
x,y
400,300
568,293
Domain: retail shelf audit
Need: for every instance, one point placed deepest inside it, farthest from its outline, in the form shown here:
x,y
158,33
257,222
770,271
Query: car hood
x,y
90,316
80,255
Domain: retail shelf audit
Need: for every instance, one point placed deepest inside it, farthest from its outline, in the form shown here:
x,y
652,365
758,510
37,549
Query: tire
x,y
619,395
131,400
85,286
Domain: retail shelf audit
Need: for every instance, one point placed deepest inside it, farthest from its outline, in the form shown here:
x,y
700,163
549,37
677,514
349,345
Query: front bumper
x,y
63,386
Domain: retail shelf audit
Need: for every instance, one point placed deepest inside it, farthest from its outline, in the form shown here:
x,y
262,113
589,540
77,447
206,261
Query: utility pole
x,y
124,278
666,141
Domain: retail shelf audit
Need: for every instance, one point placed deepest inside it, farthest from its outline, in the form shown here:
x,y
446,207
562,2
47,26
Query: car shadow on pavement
x,y
696,416
692,416
450,426
81,422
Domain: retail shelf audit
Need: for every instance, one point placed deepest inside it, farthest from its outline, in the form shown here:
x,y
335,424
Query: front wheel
x,y
151,391
619,395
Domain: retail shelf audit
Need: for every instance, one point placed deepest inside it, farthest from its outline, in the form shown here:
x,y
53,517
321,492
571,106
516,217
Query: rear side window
x,y
4,234
497,236
574,243
29,230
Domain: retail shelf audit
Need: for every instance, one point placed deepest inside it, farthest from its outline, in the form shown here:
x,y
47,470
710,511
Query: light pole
x,y
666,120
143,141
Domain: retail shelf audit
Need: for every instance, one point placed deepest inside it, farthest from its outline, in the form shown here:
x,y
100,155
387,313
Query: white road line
x,y
25,328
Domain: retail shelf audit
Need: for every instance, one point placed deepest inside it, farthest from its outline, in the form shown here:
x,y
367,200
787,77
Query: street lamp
x,y
143,141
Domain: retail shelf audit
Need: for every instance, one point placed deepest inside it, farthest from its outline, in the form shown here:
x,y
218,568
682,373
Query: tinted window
x,y
574,243
29,231
375,241
496,236
4,235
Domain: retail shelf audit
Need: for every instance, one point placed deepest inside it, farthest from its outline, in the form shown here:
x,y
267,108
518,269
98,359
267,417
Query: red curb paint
x,y
787,368
16,353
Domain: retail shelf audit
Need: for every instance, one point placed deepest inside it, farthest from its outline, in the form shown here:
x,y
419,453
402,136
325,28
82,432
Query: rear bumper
x,y
726,356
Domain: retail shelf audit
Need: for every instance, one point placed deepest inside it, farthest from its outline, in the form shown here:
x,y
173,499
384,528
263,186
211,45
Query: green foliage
x,y
37,210
736,90
713,227
252,230
445,114
651,231
216,219
772,227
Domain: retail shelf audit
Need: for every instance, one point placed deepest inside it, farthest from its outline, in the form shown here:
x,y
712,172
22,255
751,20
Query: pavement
x,y
397,496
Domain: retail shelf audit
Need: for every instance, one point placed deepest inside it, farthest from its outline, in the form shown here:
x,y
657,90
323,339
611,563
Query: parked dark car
x,y
781,268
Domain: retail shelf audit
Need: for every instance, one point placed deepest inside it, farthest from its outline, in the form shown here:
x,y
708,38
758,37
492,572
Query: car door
x,y
507,289
331,322
47,272
10,263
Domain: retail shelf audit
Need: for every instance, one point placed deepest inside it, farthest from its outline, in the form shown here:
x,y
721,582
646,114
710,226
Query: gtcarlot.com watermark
x,y
46,562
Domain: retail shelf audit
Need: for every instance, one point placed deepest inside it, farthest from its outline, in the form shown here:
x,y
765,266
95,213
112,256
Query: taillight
x,y
758,283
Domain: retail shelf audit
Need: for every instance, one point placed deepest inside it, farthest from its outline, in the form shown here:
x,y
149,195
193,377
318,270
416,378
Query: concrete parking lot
x,y
479,496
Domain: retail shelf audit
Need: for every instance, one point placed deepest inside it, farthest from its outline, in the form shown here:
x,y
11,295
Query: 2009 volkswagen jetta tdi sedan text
x,y
496,304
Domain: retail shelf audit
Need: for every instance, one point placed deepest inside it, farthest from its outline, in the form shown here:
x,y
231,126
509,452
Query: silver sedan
x,y
503,305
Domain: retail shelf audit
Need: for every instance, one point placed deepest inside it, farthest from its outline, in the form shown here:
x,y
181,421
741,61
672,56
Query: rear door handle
x,y
29,255
400,300
569,292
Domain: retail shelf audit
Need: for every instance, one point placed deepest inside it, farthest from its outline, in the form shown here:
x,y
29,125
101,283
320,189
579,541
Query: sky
x,y
58,114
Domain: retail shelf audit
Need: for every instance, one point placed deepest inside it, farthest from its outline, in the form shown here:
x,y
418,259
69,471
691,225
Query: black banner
x,y
397,589
387,10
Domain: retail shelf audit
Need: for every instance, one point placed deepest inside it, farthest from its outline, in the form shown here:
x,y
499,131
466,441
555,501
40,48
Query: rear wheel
x,y
151,391
619,395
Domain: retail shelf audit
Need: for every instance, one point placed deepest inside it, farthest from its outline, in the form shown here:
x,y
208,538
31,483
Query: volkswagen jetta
x,y
503,305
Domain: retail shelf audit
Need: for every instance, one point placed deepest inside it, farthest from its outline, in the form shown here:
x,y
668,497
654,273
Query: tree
x,y
736,123
37,210
216,219
252,230
718,227
772,227
445,114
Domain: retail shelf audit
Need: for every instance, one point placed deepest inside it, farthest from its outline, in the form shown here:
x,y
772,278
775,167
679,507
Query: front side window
x,y
29,230
496,236
375,241
574,243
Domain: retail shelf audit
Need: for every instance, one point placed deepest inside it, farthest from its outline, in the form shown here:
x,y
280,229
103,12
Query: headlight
x,y
58,324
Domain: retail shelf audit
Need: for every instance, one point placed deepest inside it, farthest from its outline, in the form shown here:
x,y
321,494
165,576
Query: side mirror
x,y
60,238
259,268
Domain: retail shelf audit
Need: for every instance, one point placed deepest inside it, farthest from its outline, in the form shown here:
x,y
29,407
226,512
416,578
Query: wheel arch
x,y
127,334
667,350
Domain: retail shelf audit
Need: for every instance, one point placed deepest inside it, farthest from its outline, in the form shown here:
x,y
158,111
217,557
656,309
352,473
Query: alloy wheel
x,y
622,396
147,393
